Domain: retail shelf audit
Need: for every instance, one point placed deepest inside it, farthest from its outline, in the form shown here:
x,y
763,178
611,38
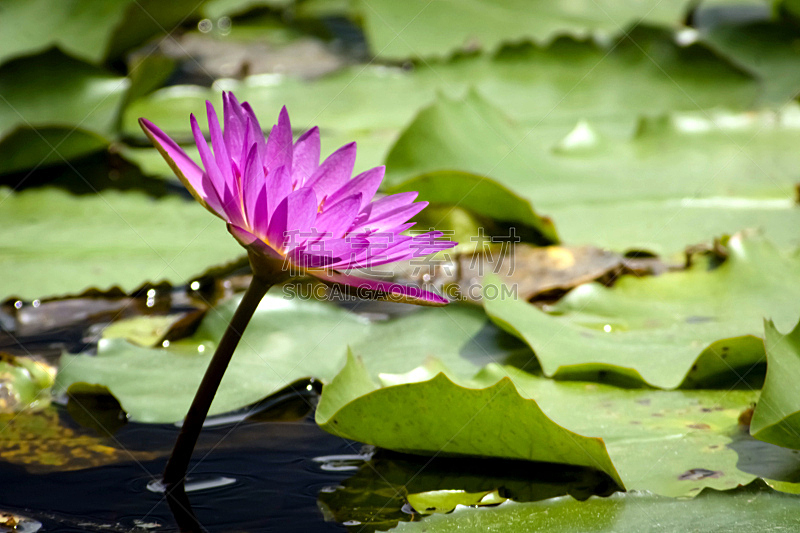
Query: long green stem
x,y
178,463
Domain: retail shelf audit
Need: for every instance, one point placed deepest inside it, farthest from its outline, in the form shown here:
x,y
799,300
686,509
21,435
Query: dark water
x,y
275,481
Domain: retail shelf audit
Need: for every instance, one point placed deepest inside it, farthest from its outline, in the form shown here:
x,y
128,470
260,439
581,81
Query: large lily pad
x,y
777,415
480,196
287,340
547,88
81,28
416,28
737,166
56,243
768,50
55,108
683,328
752,508
451,419
671,443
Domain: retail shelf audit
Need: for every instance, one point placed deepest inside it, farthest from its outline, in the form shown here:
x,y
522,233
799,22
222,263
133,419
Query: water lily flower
x,y
287,209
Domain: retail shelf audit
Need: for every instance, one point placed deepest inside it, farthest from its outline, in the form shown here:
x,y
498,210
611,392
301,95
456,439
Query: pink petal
x,y
252,184
305,159
334,172
334,220
235,127
190,174
248,240
279,186
218,144
293,219
382,290
326,252
366,183
279,144
260,221
256,133
390,219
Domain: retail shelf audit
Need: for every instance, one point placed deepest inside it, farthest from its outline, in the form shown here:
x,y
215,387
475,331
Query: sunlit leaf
x,y
683,328
748,509
441,416
80,28
56,243
55,108
288,339
777,415
769,51
547,89
416,28
686,177
24,384
671,443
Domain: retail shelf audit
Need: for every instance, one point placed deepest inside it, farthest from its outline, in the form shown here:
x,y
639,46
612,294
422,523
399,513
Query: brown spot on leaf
x,y
746,416
696,474
645,401
698,426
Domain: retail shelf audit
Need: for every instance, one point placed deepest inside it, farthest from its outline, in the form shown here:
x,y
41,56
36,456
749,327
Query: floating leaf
x,y
683,170
55,108
777,415
752,508
683,328
546,89
81,28
480,196
42,443
415,28
57,243
770,51
451,419
24,384
289,338
672,443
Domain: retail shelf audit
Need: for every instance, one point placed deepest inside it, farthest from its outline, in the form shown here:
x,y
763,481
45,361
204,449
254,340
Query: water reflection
x,y
376,497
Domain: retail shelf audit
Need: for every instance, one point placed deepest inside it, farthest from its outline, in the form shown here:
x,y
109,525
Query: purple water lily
x,y
282,204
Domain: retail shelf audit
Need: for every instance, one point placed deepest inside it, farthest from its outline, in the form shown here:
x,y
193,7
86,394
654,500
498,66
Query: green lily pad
x,y
547,88
25,383
55,108
451,419
751,508
57,243
671,443
81,28
416,28
480,196
289,338
683,328
689,167
770,51
777,415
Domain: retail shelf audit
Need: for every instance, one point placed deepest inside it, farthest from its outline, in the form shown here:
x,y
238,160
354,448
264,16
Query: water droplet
x,y
165,344
36,303
195,285
607,328
18,304
201,348
205,25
